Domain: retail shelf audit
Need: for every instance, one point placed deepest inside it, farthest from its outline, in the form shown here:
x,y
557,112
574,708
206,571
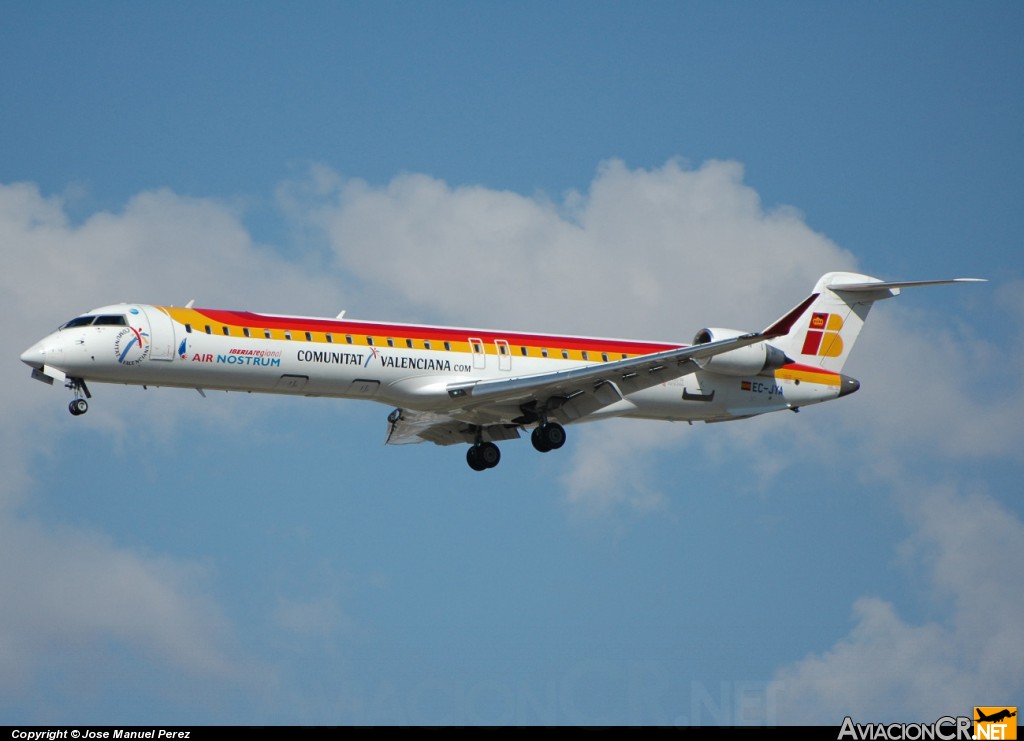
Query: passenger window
x,y
604,357
476,347
624,356
565,354
329,337
447,345
391,342
408,343
544,352
245,331
226,332
369,341
266,333
309,336
208,330
348,339
287,334
188,328
585,356
502,349
522,350
426,344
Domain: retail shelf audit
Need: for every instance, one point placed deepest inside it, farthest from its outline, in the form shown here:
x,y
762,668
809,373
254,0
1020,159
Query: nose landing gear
x,y
78,405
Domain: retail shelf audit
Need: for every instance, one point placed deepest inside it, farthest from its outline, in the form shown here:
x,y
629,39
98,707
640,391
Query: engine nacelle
x,y
745,361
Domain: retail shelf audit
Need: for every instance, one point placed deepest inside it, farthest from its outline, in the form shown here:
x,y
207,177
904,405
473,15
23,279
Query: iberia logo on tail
x,y
823,336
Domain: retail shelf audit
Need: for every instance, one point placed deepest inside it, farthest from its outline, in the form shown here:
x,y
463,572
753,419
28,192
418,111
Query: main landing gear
x,y
548,436
482,456
78,405
545,437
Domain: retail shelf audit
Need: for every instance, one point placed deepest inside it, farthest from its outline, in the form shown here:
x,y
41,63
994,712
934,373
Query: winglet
x,y
783,325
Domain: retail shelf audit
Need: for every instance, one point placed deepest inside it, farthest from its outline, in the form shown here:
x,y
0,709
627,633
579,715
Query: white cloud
x,y
71,588
163,248
968,549
656,253
935,385
653,254
610,467
660,253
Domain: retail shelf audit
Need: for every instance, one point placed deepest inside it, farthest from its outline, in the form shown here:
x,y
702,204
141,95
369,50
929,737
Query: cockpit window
x,y
82,321
112,321
104,320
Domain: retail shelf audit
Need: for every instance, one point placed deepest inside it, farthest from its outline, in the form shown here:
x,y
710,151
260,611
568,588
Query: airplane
x,y
474,386
995,717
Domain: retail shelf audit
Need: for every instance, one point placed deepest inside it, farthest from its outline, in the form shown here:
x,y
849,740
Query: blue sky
x,y
601,168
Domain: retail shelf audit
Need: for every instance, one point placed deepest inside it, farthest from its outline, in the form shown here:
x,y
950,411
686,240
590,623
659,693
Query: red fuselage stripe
x,y
438,334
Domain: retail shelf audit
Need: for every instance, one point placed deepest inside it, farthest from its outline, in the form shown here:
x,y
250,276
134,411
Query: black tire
x,y
78,407
554,435
539,441
489,455
474,459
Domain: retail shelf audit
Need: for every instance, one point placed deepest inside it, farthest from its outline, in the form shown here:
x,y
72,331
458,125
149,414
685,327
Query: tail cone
x,y
848,385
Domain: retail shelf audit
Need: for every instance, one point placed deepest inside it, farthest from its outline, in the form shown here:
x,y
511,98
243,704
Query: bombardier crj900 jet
x,y
474,386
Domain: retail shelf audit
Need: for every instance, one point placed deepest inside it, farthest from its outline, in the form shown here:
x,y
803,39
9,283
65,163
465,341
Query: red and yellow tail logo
x,y
995,723
823,336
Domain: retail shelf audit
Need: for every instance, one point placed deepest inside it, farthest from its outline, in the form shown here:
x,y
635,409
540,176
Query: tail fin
x,y
824,335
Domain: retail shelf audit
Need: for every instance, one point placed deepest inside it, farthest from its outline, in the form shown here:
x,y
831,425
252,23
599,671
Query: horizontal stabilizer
x,y
825,334
882,285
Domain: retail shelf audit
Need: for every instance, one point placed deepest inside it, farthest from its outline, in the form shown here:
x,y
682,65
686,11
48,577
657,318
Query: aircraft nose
x,y
34,356
848,386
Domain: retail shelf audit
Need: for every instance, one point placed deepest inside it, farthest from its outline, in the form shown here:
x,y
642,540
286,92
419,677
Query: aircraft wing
x,y
410,426
567,395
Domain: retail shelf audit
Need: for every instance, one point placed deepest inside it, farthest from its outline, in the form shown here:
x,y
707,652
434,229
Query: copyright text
x,y
154,733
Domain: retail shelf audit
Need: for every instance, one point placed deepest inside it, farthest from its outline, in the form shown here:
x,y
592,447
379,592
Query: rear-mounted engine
x,y
745,361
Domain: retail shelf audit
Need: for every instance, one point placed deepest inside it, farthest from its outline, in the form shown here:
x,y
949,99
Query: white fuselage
x,y
401,365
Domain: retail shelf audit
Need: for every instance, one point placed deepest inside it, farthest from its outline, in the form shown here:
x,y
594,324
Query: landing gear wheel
x,y
473,458
482,456
548,436
555,435
539,443
489,454
78,407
